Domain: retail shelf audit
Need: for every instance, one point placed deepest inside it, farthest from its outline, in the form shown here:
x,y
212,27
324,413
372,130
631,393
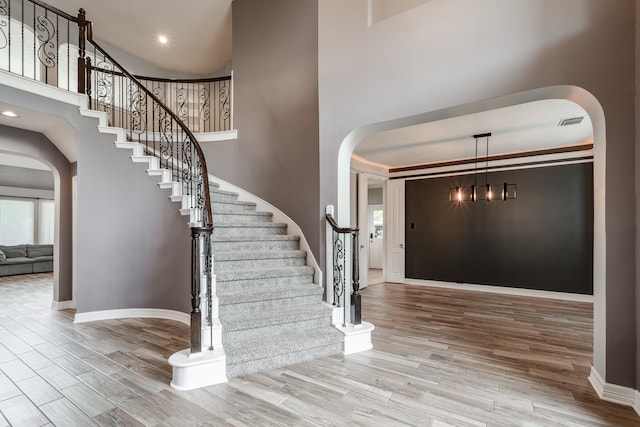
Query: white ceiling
x,y
526,127
134,26
199,31
58,130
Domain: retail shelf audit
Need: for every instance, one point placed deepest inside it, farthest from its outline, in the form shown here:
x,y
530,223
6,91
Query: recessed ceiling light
x,y
9,114
162,39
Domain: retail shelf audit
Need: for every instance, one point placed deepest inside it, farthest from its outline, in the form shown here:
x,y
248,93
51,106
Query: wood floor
x,y
441,358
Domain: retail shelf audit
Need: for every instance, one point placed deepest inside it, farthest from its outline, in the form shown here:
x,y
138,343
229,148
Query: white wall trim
x,y
614,393
360,164
33,86
92,316
564,296
227,135
63,305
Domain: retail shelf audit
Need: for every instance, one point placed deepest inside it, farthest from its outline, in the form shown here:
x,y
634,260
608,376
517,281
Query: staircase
x,y
271,312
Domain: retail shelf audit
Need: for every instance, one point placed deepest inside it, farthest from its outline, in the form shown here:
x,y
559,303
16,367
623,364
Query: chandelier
x,y
487,192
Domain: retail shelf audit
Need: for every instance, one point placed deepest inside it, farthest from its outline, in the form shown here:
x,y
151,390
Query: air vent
x,y
571,121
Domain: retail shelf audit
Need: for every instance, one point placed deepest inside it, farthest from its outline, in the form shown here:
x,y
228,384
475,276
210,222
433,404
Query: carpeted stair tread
x,y
240,212
216,190
238,296
280,345
249,224
259,238
275,317
245,255
215,203
267,273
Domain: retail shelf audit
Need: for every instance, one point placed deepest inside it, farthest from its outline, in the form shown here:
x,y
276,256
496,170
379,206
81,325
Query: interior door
x,y
376,234
363,219
394,220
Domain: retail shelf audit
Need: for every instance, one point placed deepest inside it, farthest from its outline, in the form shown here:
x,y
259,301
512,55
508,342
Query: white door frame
x,y
394,231
363,225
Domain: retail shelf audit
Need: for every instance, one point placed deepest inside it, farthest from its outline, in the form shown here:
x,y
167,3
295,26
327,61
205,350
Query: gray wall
x,y
445,54
11,176
375,196
133,246
37,146
275,71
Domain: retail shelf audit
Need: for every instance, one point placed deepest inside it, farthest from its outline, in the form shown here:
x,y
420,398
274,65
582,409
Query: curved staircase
x,y
271,311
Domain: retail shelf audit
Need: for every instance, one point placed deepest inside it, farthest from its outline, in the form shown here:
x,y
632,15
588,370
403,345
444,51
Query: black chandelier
x,y
487,192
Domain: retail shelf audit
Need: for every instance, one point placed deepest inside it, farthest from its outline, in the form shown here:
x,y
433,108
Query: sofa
x,y
25,259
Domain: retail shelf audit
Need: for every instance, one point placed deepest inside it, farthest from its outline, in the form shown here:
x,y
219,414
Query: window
x,y
17,222
46,221
26,221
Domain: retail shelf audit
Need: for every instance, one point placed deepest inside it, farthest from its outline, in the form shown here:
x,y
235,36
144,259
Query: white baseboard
x,y
93,316
502,290
614,393
63,305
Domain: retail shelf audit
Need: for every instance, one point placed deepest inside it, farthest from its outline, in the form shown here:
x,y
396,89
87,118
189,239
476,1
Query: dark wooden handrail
x,y
55,10
208,220
338,229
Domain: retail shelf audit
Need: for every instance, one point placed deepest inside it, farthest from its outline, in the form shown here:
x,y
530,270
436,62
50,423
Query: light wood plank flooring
x,y
441,358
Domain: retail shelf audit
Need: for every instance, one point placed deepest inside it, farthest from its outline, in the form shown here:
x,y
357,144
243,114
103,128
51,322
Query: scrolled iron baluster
x,y
225,104
4,24
205,109
46,31
182,101
138,107
338,269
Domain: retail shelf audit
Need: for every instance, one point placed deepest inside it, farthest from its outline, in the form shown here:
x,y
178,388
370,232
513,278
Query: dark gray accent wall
x,y
275,72
541,240
11,176
37,146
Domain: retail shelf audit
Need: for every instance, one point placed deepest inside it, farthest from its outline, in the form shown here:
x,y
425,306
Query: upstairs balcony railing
x,y
40,42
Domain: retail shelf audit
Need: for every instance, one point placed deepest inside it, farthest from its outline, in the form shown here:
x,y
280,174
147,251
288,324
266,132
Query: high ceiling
x,y
205,27
198,31
522,128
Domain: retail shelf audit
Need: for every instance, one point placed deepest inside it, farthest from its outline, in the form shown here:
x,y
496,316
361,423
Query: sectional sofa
x,y
25,259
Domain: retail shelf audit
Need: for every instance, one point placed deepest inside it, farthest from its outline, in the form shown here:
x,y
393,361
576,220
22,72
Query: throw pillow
x,y
2,256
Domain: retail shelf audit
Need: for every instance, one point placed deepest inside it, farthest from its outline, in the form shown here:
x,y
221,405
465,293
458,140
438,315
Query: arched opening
x,y
35,146
572,93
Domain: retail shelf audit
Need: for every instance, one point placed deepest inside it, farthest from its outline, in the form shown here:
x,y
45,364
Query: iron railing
x,y
340,239
40,42
204,105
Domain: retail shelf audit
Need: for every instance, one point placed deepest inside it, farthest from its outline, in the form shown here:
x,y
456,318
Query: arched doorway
x,y
571,93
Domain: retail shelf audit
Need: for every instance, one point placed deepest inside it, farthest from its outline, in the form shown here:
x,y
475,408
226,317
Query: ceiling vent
x,y
571,121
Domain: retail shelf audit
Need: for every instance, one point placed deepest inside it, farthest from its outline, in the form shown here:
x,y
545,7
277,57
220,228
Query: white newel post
x,y
357,338
208,367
